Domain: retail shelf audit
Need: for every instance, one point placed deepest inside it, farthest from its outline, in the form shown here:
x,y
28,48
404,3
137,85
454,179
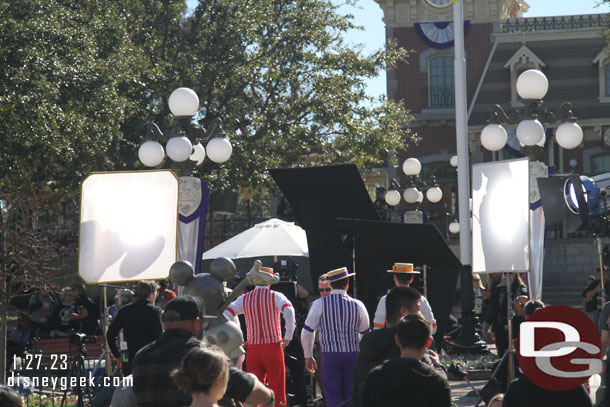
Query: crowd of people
x,y
59,314
158,338
54,315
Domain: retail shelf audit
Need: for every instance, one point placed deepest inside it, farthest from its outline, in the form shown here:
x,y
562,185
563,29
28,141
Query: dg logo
x,y
558,348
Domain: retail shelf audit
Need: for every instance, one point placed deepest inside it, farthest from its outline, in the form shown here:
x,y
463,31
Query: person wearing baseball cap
x,y
403,277
140,322
265,349
341,321
184,321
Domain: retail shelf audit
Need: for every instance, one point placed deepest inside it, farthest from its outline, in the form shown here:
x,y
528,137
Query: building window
x,y
600,164
441,84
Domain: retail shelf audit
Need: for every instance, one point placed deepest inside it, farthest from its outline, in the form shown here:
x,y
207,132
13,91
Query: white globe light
x,y
434,194
411,195
411,166
151,153
532,84
420,197
219,149
454,161
542,140
493,137
198,154
183,102
573,163
569,135
392,197
179,148
530,132
454,227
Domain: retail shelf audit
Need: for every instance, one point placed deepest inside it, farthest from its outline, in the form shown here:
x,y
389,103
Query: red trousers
x,y
266,362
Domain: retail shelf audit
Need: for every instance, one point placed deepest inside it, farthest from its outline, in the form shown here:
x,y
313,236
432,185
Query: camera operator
x,y
60,320
141,324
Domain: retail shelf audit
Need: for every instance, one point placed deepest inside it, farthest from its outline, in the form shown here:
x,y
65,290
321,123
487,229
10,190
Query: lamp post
x,y
184,147
532,85
412,191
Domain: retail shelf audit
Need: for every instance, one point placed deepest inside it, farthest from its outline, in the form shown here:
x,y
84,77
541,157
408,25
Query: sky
x,y
368,14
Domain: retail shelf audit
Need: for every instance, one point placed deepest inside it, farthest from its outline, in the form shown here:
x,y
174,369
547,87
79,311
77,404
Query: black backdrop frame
x,y
333,206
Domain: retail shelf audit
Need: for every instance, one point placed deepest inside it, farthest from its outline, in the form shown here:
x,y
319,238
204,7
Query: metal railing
x,y
442,96
554,23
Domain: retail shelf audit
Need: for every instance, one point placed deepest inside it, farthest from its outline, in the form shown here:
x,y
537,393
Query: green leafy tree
x,y
65,68
290,91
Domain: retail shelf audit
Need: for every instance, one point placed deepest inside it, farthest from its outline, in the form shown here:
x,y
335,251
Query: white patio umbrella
x,y
273,237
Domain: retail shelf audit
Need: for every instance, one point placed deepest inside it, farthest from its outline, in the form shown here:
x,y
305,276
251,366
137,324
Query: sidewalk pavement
x,y
463,395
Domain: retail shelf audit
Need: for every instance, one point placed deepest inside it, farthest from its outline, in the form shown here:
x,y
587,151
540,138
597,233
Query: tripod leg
x,y
495,373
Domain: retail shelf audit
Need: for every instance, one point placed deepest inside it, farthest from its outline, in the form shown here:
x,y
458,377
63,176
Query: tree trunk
x,y
4,299
3,326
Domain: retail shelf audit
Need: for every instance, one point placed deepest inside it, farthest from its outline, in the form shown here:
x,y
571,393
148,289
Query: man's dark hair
x,y
413,332
339,284
397,298
162,283
404,278
532,306
82,289
9,398
144,289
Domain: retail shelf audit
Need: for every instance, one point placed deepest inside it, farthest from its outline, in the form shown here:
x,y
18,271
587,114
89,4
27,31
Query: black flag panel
x,y
333,206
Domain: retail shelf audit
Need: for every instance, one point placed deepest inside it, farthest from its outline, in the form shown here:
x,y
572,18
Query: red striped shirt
x,y
262,316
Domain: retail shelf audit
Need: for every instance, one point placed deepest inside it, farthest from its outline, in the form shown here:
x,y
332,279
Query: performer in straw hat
x,y
403,277
265,350
341,322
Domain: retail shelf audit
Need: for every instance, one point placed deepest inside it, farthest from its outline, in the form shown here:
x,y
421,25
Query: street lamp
x,y
184,138
412,193
184,147
532,86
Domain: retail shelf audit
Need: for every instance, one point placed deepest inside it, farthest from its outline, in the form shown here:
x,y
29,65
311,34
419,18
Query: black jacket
x,y
141,324
406,382
376,347
523,393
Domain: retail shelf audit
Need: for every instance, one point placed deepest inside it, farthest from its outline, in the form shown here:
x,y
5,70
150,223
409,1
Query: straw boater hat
x,y
338,274
403,268
267,270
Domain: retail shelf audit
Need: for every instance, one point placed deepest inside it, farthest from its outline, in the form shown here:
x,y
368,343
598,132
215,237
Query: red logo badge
x,y
558,348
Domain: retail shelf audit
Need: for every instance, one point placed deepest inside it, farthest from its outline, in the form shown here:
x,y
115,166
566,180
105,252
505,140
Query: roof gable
x,y
522,57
